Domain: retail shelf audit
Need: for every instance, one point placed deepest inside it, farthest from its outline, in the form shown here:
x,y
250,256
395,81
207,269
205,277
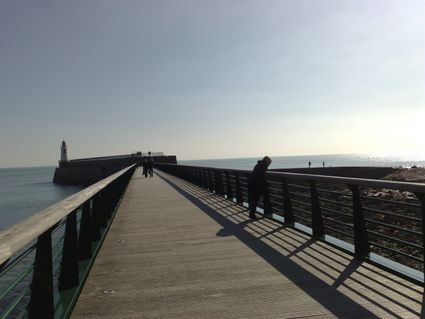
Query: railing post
x,y
218,183
421,198
267,205
203,180
210,184
288,213
95,218
42,303
198,177
103,215
316,213
69,273
239,195
229,189
361,242
84,240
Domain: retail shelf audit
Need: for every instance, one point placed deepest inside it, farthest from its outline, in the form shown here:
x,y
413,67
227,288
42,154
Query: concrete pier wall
x,y
91,170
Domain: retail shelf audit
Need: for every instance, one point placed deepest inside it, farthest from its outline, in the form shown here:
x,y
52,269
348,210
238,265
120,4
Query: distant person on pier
x,y
145,165
309,164
257,184
150,166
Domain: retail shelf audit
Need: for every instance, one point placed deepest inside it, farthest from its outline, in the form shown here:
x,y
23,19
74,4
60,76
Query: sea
x,y
26,191
315,160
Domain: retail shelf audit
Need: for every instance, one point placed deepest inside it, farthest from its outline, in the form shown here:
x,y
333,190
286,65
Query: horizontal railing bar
x,y
395,251
338,231
24,254
395,239
335,212
277,203
337,222
302,211
300,202
275,196
274,189
388,201
336,203
15,302
302,218
393,227
301,195
17,236
299,186
16,281
334,192
376,211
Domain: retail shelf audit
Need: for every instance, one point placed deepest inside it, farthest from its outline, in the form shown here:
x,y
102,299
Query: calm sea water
x,y
316,161
25,191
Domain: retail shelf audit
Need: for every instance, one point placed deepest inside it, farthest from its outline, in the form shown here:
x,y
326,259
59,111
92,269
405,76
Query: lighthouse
x,y
64,155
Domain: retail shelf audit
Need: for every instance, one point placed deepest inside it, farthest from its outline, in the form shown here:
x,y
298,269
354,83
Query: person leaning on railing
x,y
257,184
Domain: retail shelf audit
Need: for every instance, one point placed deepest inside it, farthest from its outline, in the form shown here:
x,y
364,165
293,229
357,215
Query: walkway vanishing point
x,y
175,250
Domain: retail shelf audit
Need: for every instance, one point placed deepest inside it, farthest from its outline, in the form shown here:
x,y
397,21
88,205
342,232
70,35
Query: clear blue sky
x,y
210,79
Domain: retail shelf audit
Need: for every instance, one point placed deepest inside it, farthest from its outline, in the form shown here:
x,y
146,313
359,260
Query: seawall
x,y
87,171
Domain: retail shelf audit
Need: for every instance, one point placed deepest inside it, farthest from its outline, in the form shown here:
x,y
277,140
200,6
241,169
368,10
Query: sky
x,y
210,79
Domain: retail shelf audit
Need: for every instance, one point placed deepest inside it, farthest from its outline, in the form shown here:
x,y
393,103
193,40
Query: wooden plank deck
x,y
177,251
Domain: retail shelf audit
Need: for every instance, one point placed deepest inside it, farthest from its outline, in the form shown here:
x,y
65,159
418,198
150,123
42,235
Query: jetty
x,y
181,245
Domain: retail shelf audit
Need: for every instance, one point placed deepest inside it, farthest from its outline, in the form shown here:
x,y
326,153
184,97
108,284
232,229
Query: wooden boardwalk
x,y
177,251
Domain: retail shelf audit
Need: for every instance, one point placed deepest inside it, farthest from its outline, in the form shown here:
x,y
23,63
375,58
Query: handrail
x,y
405,186
15,237
354,214
66,237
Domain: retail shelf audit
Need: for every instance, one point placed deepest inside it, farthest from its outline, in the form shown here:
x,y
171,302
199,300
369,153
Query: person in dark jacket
x,y
145,165
257,184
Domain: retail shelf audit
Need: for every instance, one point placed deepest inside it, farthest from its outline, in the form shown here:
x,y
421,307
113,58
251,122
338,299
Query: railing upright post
x,y
42,302
69,273
218,182
198,177
229,189
210,181
239,195
95,218
287,205
103,208
205,178
267,204
84,240
361,242
421,198
316,213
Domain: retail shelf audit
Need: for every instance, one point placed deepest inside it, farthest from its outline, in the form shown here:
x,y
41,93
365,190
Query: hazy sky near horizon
x,y
210,79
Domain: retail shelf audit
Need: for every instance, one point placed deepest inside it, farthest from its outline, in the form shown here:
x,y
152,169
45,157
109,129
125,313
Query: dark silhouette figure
x,y
323,164
145,165
309,164
150,166
257,184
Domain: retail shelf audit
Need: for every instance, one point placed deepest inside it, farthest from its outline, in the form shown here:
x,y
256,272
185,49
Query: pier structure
x,y
87,171
181,245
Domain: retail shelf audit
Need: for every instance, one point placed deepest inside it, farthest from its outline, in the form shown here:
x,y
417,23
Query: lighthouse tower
x,y
64,155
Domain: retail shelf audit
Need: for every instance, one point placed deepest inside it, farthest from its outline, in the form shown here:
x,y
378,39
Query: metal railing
x,y
376,220
45,259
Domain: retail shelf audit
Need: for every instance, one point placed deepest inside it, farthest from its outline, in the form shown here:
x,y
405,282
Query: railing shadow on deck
x,y
333,270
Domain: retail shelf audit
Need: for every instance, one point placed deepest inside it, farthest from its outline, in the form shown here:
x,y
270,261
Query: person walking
x,y
257,184
145,165
150,166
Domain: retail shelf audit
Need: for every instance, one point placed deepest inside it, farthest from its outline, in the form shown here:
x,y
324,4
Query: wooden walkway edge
x,y
175,250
